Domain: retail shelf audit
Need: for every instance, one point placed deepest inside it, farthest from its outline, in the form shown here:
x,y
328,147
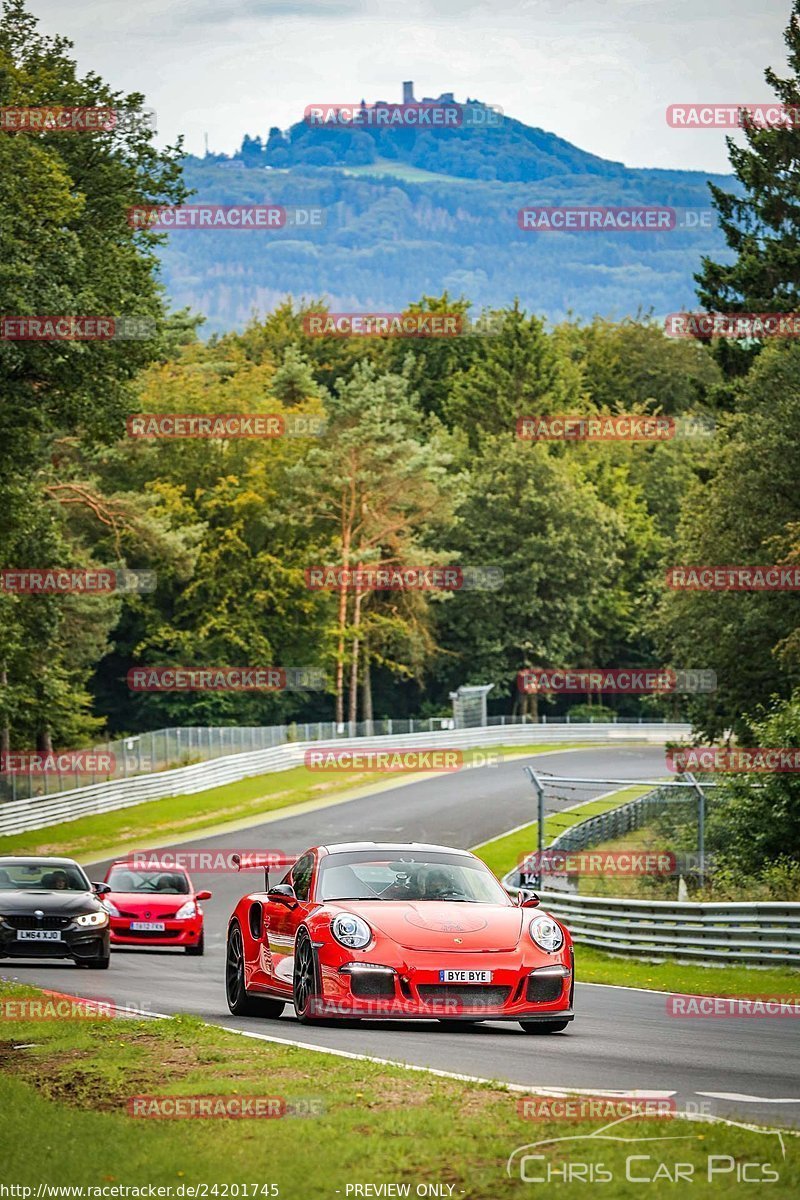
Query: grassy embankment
x,y
65,1087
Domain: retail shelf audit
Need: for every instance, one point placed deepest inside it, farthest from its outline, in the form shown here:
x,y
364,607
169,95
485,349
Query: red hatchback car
x,y
154,906
371,930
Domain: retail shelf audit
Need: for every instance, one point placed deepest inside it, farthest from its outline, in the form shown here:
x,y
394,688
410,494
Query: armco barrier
x,y
183,746
756,932
38,812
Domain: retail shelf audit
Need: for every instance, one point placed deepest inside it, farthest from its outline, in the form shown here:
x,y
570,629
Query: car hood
x,y
155,904
441,924
50,903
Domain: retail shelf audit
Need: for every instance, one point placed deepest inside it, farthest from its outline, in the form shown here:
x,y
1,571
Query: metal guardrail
x,y
762,932
755,932
38,812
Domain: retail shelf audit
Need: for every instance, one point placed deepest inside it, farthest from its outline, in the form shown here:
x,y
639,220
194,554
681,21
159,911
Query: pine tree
x,y
761,223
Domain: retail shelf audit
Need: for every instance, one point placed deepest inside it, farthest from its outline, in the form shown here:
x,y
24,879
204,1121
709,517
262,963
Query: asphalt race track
x,y
621,1040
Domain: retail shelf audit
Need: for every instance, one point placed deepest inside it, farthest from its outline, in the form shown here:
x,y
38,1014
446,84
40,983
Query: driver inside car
x,y
440,883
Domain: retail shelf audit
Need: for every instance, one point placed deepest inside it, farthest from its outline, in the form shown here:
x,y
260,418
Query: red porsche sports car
x,y
154,906
373,930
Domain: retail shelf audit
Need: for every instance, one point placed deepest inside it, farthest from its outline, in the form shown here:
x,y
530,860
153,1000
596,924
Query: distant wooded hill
x,y
410,212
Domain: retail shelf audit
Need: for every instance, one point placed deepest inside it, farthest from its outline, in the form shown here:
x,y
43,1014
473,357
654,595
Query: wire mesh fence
x,y
178,746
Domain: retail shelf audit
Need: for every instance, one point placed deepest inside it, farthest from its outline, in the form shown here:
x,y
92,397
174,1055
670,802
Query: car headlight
x,y
351,931
112,908
189,909
546,933
92,918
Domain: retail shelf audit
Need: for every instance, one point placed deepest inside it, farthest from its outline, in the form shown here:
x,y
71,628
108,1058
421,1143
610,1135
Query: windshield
x,y
165,883
42,877
427,875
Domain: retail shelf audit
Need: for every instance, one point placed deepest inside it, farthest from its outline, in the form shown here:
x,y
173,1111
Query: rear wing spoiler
x,y
254,860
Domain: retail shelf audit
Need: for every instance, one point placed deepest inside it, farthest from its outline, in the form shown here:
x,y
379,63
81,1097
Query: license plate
x,y
465,976
157,925
39,935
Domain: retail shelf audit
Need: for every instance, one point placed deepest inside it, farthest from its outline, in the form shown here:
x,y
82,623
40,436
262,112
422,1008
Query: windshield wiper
x,y
336,899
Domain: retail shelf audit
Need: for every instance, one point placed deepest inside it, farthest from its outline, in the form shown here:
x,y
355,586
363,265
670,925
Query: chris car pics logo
x,y
699,1149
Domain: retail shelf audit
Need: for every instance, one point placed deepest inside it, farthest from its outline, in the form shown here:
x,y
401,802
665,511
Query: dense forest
x,y
418,461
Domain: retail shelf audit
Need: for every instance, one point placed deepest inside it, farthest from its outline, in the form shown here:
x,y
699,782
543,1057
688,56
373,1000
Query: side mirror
x,y
283,893
203,896
102,889
527,899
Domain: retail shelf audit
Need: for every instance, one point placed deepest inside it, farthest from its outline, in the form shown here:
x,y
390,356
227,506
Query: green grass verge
x,y
66,1085
633,887
594,966
177,817
502,854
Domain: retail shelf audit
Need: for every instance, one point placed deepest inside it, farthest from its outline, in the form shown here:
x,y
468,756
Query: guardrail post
x,y
701,826
537,783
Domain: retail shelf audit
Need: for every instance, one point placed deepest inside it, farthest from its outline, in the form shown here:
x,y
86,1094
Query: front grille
x,y
372,983
162,916
148,933
544,989
30,922
37,949
471,995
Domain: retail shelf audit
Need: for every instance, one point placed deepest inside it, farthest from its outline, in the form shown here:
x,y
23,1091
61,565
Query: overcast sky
x,y
597,72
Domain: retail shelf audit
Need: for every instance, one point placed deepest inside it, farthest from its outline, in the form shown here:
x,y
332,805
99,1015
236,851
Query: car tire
x,y
305,980
240,1002
199,948
98,964
543,1026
